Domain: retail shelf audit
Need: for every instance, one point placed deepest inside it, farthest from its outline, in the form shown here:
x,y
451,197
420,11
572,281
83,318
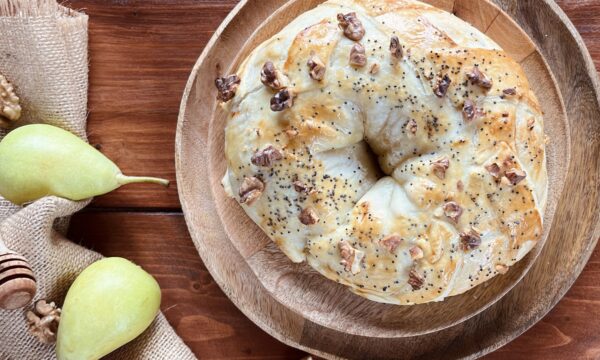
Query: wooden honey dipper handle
x,y
17,282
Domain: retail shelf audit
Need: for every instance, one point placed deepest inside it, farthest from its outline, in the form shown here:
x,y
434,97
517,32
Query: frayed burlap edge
x,y
43,53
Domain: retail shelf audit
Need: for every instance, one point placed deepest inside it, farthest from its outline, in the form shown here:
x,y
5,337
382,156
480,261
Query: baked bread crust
x,y
453,123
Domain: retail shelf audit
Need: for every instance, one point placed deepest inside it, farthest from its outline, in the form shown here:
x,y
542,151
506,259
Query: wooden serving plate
x,y
303,309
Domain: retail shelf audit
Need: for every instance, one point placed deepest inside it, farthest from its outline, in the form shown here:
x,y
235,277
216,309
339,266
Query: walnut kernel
x,y
226,87
267,156
10,110
250,190
284,99
271,77
353,28
316,67
357,55
43,321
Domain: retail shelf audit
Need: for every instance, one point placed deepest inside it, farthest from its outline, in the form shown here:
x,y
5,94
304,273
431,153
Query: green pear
x,y
110,303
39,160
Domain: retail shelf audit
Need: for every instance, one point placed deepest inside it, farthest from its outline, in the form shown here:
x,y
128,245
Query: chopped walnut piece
x,y
510,91
460,186
494,170
469,240
316,67
284,99
226,87
395,47
440,166
415,280
452,210
271,77
300,187
308,216
250,190
479,78
10,110
412,126
351,258
502,269
416,253
391,242
469,110
357,55
374,69
43,321
353,28
267,156
441,86
515,176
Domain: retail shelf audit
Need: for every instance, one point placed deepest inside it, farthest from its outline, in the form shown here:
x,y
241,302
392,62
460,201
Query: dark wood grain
x,y
141,53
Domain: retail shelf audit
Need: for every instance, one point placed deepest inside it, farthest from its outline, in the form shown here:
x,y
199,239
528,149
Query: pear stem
x,y
124,179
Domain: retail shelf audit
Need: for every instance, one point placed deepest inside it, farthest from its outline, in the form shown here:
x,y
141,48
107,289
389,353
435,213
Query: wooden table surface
x,y
141,53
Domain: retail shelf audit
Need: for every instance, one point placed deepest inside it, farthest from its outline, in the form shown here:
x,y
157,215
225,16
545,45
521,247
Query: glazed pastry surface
x,y
398,150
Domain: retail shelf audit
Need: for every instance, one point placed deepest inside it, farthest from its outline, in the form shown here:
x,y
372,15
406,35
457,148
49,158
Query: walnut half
x,y
226,87
43,321
10,110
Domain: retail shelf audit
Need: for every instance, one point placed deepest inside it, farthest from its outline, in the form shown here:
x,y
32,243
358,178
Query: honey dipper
x,y
17,282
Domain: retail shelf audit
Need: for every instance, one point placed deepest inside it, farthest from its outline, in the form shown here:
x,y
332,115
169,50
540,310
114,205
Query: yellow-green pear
x,y
39,160
110,303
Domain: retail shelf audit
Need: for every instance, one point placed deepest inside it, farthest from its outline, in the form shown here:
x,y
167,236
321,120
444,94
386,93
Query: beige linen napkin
x,y
43,53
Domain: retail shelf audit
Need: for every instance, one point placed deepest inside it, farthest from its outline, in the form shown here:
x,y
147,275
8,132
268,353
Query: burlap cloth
x,y
43,52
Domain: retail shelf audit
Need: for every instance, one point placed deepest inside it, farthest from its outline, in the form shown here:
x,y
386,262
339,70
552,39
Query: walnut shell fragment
x,y
10,109
43,321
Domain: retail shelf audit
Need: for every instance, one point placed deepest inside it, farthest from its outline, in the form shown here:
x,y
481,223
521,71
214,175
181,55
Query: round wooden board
x,y
305,310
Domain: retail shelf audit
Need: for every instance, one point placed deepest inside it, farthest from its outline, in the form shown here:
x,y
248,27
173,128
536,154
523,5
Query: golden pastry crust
x,y
457,191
